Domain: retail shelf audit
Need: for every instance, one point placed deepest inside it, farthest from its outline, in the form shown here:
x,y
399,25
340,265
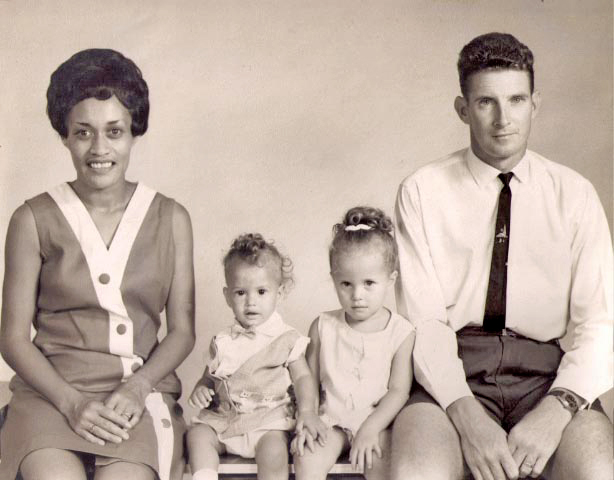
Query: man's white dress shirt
x,y
559,273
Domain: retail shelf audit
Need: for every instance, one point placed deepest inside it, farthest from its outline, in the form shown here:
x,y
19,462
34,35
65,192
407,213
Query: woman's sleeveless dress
x,y
98,314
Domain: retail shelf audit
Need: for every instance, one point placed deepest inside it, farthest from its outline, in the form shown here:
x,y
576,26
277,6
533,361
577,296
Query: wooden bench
x,y
233,466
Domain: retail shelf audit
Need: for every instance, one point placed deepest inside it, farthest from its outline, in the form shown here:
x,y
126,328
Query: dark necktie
x,y
494,313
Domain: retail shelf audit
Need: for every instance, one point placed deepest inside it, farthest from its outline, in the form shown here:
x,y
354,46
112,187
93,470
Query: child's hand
x,y
313,427
297,446
365,443
201,397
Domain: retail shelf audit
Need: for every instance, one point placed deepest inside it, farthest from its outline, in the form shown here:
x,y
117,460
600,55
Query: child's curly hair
x,y
363,225
253,249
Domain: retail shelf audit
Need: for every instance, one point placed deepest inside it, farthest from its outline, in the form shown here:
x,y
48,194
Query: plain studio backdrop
x,y
277,116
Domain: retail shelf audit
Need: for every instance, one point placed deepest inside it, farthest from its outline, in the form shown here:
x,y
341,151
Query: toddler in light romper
x,y
361,354
246,407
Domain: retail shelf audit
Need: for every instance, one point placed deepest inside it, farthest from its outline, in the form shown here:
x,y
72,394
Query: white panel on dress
x,y
163,427
130,365
108,263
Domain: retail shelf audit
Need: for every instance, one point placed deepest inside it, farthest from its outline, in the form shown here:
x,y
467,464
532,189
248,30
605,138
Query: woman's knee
x,y
120,469
52,464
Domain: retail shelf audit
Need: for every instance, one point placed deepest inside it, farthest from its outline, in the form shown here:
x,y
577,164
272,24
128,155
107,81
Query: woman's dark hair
x,y
361,226
253,249
97,73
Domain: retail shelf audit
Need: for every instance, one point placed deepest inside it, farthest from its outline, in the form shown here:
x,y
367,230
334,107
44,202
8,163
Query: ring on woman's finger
x,y
126,416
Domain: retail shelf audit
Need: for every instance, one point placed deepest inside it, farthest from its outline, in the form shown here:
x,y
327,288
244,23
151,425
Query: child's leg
x,y
272,456
381,466
52,464
204,448
316,465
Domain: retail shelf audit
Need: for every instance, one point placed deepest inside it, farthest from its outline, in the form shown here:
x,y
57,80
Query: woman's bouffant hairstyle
x,y
253,249
362,226
493,51
97,73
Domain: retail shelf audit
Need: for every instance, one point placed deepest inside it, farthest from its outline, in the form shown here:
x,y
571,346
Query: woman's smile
x,y
100,140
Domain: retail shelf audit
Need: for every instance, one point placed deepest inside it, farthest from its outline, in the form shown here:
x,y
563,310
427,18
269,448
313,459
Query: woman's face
x,y
99,139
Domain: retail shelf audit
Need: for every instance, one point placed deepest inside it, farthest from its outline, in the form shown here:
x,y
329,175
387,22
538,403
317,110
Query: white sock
x,y
205,474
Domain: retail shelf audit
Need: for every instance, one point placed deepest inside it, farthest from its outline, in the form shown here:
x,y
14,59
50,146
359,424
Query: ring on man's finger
x,y
91,428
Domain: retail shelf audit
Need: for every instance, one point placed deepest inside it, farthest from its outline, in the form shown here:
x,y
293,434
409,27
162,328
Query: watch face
x,y
571,401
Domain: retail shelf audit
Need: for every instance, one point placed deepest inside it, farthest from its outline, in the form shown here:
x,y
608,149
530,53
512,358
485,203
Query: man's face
x,y
499,108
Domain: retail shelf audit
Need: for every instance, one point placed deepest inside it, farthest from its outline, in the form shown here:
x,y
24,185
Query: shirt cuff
x,y
445,392
588,394
447,396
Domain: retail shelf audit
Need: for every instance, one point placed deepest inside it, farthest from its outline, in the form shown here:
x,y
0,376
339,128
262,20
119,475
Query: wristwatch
x,y
570,401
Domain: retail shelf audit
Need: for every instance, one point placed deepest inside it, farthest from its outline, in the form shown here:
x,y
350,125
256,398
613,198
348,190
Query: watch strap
x,y
569,400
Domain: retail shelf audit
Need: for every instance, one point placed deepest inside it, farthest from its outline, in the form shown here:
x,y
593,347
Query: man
x,y
501,253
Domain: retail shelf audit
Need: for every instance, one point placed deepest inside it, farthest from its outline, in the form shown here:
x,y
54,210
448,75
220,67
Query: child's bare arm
x,y
305,375
313,354
203,392
399,384
401,375
205,380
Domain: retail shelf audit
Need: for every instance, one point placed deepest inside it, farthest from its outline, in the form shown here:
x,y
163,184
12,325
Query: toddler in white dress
x,y
361,354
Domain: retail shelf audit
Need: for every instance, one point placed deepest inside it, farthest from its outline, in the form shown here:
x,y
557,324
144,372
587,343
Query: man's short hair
x,y
493,51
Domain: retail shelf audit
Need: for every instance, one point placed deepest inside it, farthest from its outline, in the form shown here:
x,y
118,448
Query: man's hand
x,y
483,441
535,438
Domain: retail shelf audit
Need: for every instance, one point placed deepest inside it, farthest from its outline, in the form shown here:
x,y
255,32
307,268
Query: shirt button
x,y
166,423
121,329
104,278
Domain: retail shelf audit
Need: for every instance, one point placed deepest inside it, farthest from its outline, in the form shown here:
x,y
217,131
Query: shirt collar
x,y
483,173
269,327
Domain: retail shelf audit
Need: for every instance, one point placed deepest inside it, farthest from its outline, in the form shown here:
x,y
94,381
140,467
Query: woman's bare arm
x,y
21,276
129,398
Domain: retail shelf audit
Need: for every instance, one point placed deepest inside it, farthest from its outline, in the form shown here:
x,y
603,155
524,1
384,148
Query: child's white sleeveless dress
x,y
355,367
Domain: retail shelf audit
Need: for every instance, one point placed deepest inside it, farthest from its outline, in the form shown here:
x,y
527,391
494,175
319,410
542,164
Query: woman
x,y
91,264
